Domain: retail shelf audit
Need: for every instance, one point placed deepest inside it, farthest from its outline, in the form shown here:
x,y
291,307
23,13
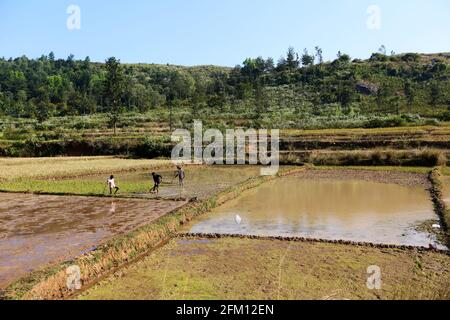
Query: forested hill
x,y
297,86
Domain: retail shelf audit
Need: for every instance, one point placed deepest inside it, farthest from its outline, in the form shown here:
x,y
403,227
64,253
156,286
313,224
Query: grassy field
x,y
200,182
87,176
264,269
63,167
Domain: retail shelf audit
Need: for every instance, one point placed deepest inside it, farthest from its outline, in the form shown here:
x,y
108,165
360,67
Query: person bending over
x,y
157,179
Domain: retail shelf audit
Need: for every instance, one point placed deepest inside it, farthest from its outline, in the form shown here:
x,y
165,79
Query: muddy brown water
x,y
39,230
354,210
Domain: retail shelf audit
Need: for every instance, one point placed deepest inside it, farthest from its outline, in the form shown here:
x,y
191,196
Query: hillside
x,y
298,87
54,107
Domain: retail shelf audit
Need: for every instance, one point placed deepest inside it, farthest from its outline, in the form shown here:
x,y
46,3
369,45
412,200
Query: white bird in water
x,y
238,219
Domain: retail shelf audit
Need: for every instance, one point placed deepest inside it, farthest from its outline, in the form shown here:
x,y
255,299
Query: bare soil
x,y
396,177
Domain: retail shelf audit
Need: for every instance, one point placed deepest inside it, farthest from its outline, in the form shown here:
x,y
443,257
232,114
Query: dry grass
x,y
444,129
409,158
63,167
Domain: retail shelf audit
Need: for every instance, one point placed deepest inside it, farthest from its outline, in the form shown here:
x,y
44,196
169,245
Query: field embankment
x,y
437,195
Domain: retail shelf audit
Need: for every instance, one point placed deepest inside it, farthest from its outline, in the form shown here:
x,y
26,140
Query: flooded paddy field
x,y
230,268
40,230
361,206
201,182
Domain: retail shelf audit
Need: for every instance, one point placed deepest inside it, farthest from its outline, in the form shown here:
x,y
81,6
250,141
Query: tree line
x,y
45,87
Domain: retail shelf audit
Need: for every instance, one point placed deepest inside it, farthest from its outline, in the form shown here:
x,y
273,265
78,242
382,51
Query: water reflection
x,y
329,209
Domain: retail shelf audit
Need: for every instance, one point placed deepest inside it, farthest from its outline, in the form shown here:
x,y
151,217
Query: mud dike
x,y
309,240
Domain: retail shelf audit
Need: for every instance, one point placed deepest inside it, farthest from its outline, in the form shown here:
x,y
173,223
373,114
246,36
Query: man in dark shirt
x,y
157,179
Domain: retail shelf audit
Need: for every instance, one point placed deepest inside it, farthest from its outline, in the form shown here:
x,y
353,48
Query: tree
x,y
307,59
342,60
281,64
42,112
292,60
56,88
394,103
435,93
319,55
269,65
345,94
113,89
383,93
409,93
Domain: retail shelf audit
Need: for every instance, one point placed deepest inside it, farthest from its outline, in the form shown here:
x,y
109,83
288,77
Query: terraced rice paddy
x,y
373,206
376,205
38,230
201,182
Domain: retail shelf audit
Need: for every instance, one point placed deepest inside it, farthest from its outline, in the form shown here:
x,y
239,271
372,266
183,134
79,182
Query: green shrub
x,y
152,148
388,122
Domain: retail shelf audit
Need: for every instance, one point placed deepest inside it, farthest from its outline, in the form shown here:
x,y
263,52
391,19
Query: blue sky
x,y
220,32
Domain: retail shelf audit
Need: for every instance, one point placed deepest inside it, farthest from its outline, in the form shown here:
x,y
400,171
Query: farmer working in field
x,y
180,175
157,179
112,185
